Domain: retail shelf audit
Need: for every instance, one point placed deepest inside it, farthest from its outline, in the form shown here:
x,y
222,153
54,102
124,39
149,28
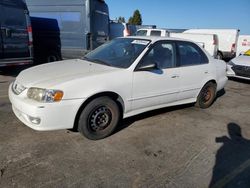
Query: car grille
x,y
243,71
17,88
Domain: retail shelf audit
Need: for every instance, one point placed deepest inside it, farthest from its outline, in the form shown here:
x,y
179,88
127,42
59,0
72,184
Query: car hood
x,y
242,60
51,74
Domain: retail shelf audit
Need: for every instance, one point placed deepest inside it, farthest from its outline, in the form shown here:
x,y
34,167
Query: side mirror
x,y
148,67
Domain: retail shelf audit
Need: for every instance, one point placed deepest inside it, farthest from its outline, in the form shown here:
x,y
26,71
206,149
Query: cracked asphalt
x,y
180,146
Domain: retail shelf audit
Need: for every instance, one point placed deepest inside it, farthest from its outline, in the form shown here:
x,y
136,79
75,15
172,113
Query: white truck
x,y
243,44
227,40
208,41
152,32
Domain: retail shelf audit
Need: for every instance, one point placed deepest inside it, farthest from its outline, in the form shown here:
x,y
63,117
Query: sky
x,y
186,14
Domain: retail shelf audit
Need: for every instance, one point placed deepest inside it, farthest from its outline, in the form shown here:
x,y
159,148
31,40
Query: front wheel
x,y
99,118
207,95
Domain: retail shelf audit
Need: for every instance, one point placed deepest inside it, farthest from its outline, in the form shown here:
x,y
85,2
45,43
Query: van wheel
x,y
206,96
99,118
219,55
52,58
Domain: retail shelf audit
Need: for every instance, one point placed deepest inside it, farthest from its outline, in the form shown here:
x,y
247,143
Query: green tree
x,y
136,19
121,20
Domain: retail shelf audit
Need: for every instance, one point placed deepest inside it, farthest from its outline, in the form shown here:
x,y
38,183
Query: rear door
x,y
14,30
194,69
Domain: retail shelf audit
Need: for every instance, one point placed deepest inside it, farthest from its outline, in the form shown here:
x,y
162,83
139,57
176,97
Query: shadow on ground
x,y
13,70
232,168
243,81
129,121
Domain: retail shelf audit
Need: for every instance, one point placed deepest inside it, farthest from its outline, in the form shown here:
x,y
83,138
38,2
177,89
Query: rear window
x,y
190,54
141,33
155,33
14,17
247,53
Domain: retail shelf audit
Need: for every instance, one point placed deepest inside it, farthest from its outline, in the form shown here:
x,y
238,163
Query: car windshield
x,y
120,52
247,53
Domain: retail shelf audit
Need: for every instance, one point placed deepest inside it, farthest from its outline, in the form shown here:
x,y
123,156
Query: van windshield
x,y
120,52
247,53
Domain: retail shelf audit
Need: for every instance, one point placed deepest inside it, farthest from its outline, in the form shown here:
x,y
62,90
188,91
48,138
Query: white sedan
x,y
122,78
239,67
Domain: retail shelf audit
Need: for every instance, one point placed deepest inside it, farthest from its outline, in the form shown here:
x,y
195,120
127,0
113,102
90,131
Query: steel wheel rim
x,y
206,95
99,119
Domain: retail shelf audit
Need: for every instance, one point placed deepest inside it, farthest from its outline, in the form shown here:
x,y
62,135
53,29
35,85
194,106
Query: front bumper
x,y
44,116
238,71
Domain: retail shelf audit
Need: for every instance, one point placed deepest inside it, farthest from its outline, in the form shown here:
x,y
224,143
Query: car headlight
x,y
44,95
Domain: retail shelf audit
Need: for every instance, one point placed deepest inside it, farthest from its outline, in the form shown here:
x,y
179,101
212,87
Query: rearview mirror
x,y
147,67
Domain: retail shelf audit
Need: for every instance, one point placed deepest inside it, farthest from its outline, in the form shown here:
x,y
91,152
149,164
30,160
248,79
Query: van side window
x,y
162,53
68,22
190,54
155,33
15,17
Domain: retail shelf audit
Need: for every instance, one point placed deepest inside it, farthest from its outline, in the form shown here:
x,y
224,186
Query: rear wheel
x,y
52,58
99,118
219,55
207,95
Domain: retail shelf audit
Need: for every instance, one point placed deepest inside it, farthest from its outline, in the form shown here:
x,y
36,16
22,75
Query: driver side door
x,y
159,86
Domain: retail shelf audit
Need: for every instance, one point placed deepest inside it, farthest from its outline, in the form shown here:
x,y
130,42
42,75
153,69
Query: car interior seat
x,y
163,57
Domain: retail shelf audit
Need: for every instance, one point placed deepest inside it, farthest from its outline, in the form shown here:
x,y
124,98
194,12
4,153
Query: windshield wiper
x,y
97,61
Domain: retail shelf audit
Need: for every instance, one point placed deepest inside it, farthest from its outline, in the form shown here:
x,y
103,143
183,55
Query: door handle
x,y
206,72
175,76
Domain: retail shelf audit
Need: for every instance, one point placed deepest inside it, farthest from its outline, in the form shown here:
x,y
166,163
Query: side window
x,y
141,33
162,53
68,22
155,33
14,18
190,54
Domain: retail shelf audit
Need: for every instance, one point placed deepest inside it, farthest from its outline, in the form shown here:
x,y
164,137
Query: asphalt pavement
x,y
181,146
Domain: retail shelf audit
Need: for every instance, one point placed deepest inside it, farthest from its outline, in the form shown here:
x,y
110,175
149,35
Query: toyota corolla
x,y
122,78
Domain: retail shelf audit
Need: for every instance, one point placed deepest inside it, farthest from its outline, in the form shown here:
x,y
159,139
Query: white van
x,y
208,41
227,40
152,32
243,44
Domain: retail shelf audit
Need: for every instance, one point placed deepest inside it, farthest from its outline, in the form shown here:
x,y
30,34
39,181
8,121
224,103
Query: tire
x,y
219,56
206,96
52,58
99,118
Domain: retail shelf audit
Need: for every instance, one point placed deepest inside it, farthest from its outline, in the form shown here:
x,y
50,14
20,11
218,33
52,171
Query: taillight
x,y
233,49
30,35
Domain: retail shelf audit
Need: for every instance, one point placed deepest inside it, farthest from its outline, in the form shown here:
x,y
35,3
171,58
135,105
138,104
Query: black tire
x,y
99,118
52,58
219,56
207,95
